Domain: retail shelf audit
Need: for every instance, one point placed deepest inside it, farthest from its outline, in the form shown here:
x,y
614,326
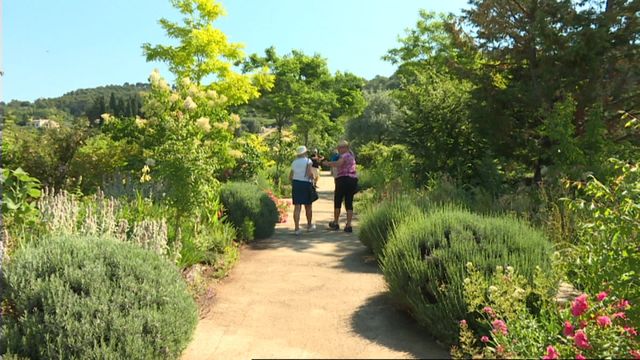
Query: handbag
x,y
314,194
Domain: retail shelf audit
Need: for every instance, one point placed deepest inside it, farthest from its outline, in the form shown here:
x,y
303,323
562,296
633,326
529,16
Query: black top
x,y
314,162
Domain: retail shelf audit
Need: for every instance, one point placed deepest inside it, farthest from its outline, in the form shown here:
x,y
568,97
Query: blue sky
x,y
52,47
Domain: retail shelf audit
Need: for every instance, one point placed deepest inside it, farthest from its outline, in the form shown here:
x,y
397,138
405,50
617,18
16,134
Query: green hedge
x,y
378,222
87,298
425,258
250,210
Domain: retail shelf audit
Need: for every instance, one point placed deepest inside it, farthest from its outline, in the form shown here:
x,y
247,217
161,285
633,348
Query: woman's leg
x,y
296,215
337,199
309,212
348,200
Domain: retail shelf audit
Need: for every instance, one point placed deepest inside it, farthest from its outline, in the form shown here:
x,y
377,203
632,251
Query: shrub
x,y
594,327
89,298
606,254
379,222
21,191
98,158
243,202
254,157
207,241
386,166
424,261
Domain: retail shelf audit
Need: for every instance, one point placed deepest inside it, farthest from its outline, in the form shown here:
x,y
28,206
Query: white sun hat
x,y
301,150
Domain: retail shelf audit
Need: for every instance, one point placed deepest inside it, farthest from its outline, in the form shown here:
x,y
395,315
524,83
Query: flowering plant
x,y
517,320
282,205
188,132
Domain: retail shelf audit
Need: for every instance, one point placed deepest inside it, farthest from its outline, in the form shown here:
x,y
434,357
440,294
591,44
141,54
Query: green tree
x,y
204,53
43,153
377,123
545,51
113,104
307,96
437,64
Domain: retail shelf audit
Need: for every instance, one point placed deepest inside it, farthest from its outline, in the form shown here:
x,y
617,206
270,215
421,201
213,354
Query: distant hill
x,y
122,100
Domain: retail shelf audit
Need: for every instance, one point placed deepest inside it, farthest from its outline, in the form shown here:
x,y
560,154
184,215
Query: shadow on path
x,y
376,316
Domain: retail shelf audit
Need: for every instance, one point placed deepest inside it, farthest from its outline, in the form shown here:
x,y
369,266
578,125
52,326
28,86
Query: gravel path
x,y
319,295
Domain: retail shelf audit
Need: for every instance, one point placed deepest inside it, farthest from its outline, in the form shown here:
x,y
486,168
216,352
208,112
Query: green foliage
x,y
526,320
253,157
558,127
89,298
438,121
379,222
207,241
204,51
247,207
280,143
382,83
424,261
19,195
531,86
306,95
43,153
188,134
387,165
377,123
605,254
99,158
529,310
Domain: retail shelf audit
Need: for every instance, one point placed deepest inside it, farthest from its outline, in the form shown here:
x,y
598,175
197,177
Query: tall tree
x,y
204,53
376,123
307,96
550,51
113,104
305,93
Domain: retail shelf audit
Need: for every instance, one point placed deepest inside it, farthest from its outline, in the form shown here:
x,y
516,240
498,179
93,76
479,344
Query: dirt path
x,y
314,296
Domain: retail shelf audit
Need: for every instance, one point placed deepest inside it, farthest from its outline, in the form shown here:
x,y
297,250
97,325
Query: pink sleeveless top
x,y
348,167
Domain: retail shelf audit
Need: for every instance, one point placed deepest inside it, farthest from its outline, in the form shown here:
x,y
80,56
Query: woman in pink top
x,y
346,185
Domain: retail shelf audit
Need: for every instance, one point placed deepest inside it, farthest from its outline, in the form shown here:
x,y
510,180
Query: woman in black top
x,y
316,160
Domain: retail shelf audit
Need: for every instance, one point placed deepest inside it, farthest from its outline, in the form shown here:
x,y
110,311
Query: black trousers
x,y
346,188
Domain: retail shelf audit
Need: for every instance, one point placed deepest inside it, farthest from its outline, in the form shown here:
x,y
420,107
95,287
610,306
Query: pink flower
x,y
619,315
583,324
580,357
603,321
631,331
552,353
489,311
601,296
623,304
463,322
499,327
579,305
568,329
635,354
581,340
484,339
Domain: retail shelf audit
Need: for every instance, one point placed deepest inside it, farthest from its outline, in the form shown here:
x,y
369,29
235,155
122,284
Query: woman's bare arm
x,y
336,163
310,171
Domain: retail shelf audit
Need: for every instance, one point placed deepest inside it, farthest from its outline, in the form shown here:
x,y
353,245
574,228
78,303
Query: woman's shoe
x,y
334,226
298,232
348,229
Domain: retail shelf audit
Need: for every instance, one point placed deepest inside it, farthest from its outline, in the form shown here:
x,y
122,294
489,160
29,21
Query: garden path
x,y
319,295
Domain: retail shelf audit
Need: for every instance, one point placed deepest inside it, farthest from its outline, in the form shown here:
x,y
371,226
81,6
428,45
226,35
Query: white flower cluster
x,y
204,124
189,104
